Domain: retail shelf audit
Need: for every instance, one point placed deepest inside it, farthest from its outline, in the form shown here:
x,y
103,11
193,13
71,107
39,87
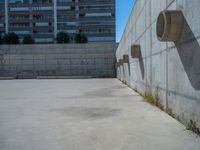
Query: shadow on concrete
x,y
189,53
129,68
141,64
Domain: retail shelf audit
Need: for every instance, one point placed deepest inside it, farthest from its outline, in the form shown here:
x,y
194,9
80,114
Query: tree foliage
x,y
1,39
81,38
62,38
27,39
11,38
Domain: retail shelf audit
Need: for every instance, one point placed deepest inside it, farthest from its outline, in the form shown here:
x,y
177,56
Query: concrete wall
x,y
30,61
167,70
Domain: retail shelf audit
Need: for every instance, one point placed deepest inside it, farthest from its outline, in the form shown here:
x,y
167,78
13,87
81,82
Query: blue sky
x,y
123,10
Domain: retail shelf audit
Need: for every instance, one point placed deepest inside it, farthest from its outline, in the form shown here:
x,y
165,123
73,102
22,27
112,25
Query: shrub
x,y
11,38
63,37
81,38
27,39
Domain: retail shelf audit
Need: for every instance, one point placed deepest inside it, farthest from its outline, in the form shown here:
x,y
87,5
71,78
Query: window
x,y
101,39
19,9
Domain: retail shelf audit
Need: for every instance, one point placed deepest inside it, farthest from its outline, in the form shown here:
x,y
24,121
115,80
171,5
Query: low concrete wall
x,y
169,71
30,61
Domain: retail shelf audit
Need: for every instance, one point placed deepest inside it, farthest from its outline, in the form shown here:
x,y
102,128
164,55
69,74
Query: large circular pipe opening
x,y
125,58
169,25
135,51
160,27
121,62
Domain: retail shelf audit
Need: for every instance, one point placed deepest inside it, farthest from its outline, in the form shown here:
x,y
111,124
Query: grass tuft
x,y
150,98
193,127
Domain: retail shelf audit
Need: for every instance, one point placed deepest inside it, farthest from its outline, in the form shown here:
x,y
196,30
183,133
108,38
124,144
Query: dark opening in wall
x,y
170,25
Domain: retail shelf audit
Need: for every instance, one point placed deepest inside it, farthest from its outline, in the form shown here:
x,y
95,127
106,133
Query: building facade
x,y
43,19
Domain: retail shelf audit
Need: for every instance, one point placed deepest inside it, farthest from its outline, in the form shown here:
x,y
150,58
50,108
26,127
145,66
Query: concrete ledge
x,y
7,78
64,77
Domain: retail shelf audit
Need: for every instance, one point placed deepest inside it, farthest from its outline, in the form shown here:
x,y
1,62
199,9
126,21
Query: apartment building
x,y
43,19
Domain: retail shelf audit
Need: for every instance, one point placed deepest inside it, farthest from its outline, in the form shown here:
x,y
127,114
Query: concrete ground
x,y
90,114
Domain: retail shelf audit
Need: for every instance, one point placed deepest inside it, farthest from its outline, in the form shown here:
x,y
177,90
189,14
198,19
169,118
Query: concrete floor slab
x,y
89,114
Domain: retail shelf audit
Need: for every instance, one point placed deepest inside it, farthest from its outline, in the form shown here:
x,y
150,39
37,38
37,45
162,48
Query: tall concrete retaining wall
x,y
169,71
30,61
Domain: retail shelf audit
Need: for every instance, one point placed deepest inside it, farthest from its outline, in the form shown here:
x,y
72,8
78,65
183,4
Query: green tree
x,y
11,38
27,39
63,37
81,38
1,39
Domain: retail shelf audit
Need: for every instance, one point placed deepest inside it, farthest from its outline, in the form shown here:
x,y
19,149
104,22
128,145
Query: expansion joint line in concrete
x,y
55,18
6,15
